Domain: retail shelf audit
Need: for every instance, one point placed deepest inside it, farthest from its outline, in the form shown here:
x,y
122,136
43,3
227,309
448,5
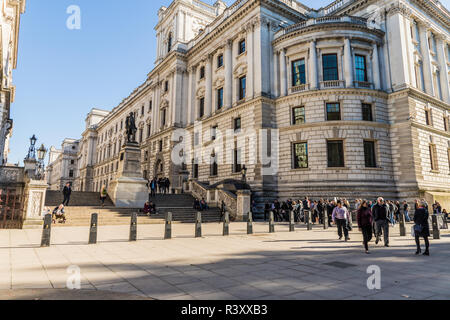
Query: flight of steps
x,y
77,199
179,205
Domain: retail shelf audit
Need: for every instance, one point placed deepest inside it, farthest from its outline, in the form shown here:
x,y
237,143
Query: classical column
x,y
313,85
283,73
410,51
177,96
156,121
440,48
228,98
425,50
208,86
250,62
375,67
348,65
275,79
191,89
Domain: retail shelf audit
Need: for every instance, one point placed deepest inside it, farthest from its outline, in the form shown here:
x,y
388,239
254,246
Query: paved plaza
x,y
298,265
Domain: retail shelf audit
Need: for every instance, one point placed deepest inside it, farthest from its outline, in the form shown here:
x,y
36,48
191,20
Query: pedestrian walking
x,y
103,195
422,227
380,213
67,191
340,217
406,211
365,222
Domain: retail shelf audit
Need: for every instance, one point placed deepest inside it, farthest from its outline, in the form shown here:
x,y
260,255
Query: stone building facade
x,y
349,100
62,167
10,11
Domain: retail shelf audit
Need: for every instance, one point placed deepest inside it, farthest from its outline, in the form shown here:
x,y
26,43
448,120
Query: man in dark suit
x,y
67,191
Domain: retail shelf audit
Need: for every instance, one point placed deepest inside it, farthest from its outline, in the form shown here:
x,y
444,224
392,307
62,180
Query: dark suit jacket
x,y
67,191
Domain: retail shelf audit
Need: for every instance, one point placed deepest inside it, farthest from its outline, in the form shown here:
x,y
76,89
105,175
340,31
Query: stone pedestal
x,y
129,189
35,192
243,204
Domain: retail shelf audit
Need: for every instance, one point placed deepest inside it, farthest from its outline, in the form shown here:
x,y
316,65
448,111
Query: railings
x,y
300,88
332,84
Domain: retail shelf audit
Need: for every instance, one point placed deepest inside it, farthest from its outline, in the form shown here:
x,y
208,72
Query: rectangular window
x,y
369,154
330,67
241,46
196,138
300,155
335,153
166,86
220,61
163,117
219,98
195,168
298,73
237,161
149,127
142,110
160,145
202,72
446,124
213,133
71,174
333,112
298,115
150,106
361,70
433,158
242,87
213,167
201,107
367,112
237,124
141,135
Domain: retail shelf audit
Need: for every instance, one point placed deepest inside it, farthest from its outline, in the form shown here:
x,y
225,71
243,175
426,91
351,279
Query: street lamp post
x,y
42,151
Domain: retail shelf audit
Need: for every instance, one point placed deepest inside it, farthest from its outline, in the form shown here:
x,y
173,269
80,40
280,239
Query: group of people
x,y
200,205
373,217
161,186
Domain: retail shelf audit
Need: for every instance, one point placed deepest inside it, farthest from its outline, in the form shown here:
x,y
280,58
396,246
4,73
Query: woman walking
x,y
103,195
365,222
421,227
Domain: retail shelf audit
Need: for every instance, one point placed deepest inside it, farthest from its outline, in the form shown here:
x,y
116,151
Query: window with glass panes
x,y
201,107
360,66
220,61
335,150
241,46
237,124
213,166
195,168
298,72
219,98
242,87
367,112
202,72
369,154
433,157
213,133
330,67
237,161
333,111
300,151
298,115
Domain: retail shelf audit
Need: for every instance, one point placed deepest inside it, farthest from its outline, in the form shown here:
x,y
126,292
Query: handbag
x,y
418,229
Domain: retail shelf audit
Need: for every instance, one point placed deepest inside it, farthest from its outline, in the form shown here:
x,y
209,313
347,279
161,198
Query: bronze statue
x,y
131,129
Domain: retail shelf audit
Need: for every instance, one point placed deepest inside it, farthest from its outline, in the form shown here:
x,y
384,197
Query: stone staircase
x,y
77,199
179,205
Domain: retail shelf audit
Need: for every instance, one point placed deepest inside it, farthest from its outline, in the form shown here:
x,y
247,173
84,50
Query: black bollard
x,y
308,219
168,228
325,219
271,223
436,232
250,223
402,225
226,224
47,231
133,227
93,229
198,225
291,221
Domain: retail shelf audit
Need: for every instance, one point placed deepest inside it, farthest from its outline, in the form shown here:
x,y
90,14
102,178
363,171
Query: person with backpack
x,y
365,221
341,217
422,227
380,213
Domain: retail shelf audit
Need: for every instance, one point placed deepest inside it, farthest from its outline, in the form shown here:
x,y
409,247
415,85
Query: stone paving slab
x,y
285,265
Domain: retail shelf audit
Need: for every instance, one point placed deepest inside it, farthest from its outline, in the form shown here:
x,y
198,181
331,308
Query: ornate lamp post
x,y
42,151
32,150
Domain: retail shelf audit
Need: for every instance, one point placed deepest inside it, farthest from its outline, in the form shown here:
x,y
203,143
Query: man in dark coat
x,y
380,213
67,191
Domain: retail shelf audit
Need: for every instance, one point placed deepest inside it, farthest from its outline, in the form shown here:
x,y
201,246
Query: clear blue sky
x,y
63,73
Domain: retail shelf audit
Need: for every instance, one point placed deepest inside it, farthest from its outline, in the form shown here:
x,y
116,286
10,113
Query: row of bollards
x,y
46,233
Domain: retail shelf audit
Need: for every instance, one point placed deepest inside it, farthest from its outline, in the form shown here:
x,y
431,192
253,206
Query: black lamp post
x,y
41,152
32,150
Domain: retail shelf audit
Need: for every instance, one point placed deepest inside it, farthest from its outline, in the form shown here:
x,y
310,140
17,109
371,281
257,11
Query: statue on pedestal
x,y
131,128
